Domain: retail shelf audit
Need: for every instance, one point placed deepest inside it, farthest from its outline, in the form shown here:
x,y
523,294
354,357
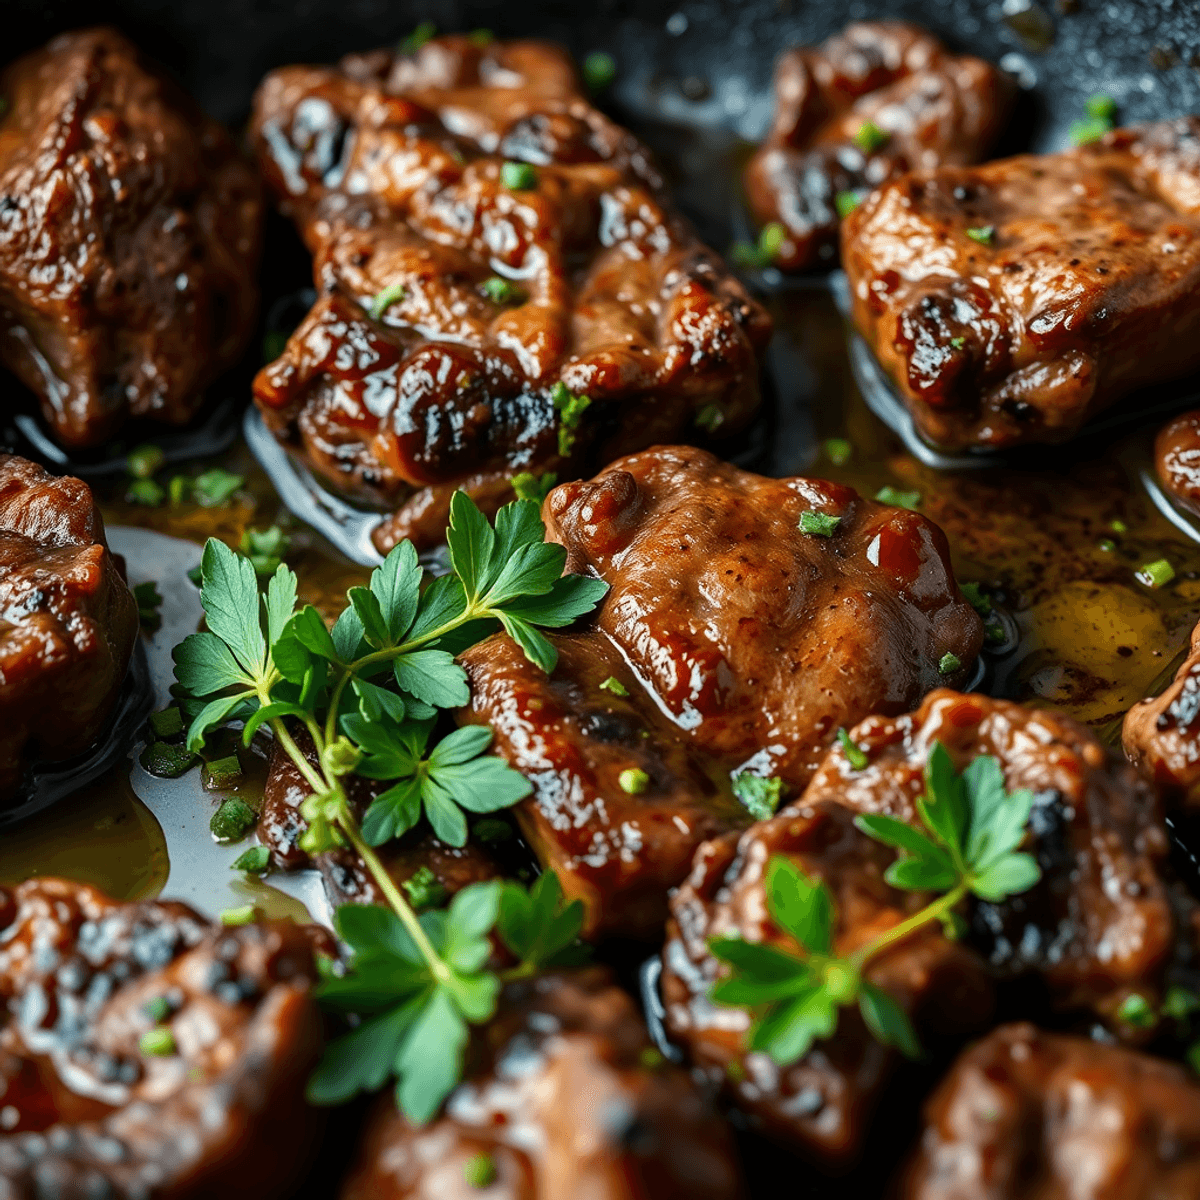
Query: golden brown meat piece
x,y
1011,301
1027,1115
487,245
566,1098
211,1103
743,644
824,1102
1102,922
67,620
129,232
1177,460
879,99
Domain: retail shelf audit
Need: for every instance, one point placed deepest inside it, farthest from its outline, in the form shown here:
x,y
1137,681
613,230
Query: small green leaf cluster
x,y
761,254
570,409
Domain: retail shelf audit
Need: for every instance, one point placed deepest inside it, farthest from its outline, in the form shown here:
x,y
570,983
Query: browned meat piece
x,y
1100,924
743,644
879,99
343,872
567,1099
129,231
1027,1115
1177,460
823,1102
67,620
1010,302
422,184
89,1107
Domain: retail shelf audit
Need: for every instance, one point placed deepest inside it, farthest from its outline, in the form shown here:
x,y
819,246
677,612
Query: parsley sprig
x,y
966,844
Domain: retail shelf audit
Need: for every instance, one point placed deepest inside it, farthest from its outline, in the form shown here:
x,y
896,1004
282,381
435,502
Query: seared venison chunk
x,y
566,1097
878,99
1012,301
67,620
129,233
147,1053
1177,460
503,287
731,642
1027,1115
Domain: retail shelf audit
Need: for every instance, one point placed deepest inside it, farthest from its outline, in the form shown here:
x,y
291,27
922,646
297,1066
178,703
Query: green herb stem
x,y
934,911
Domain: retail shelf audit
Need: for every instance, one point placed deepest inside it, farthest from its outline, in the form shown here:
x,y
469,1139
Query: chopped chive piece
x,y
222,772
599,70
424,889
149,601
167,723
855,755
264,548
759,795
518,176
423,33
819,524
255,861
838,451
532,487
870,137
215,487
570,409
244,914
1101,107
145,492
502,291
710,418
1107,545
976,597
983,234
145,460
763,252
651,1058
481,37
1156,574
167,761
949,663
233,820
957,343
614,685
480,1171
1180,1003
633,780
1088,130
273,345
1135,1010
384,300
159,1042
1118,526
158,1009
898,498
847,202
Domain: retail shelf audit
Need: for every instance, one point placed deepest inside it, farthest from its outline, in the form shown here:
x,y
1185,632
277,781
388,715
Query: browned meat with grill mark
x,y
412,375
743,644
129,232
214,1107
1027,1115
67,620
1012,301
824,1102
567,1098
879,99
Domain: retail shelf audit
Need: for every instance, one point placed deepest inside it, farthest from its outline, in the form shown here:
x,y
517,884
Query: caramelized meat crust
x,y
931,109
67,620
423,183
1177,460
743,644
1011,301
569,1099
823,1102
1102,922
85,1110
1044,1117
129,233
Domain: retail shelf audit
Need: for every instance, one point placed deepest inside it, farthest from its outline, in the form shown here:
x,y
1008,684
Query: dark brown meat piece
x,y
1177,460
129,231
1101,922
568,1099
85,1112
1010,302
823,1102
392,167
743,643
1027,1115
932,107
67,620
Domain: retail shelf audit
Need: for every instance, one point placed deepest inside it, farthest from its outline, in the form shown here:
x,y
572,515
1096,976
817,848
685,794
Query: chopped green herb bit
x,y
958,343
167,723
244,914
503,291
983,234
614,685
264,548
167,761
1156,574
423,33
1088,130
255,861
1180,1003
899,498
570,409
179,489
533,487
870,137
518,176
976,597
838,451
145,460
949,663
159,1042
479,1171
819,524
1101,108
633,780
424,889
1107,545
222,772
481,37
382,301
233,820
1135,1010
763,253
710,418
759,796
273,345
847,202
158,1009
145,492
149,601
994,632
856,756
651,1058
215,487
1118,526
599,70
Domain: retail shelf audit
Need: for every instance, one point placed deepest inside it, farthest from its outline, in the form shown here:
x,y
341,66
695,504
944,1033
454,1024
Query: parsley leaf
x,y
760,796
